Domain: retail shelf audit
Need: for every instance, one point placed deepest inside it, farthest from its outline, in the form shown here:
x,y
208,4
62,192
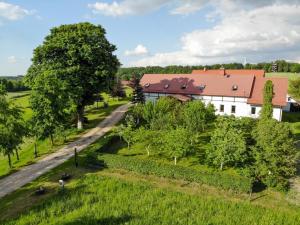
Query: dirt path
x,y
31,172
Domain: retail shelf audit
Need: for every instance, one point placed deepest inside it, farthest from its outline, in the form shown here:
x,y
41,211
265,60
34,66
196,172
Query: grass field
x,y
108,196
95,115
283,74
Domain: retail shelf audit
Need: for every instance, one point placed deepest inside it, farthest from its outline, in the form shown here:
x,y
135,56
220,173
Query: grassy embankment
x,y
95,115
117,196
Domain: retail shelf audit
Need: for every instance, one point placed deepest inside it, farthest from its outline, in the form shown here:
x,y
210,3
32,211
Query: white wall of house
x,y
226,105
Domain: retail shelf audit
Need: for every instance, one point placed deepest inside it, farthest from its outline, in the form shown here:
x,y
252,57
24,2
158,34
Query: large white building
x,y
232,92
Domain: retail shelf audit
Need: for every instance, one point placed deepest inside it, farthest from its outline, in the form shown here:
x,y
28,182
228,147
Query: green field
x,y
110,196
283,74
94,114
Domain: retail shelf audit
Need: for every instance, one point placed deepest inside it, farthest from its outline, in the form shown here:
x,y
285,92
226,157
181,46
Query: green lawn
x,y
95,115
108,196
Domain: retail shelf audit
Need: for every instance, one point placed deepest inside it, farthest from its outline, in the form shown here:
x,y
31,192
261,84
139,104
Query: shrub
x,y
221,180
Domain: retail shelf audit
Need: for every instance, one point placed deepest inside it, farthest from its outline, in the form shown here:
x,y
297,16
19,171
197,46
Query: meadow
x,y
116,196
95,114
283,74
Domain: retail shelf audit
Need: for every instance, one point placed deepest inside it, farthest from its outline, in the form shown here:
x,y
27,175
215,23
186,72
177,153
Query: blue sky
x,y
159,32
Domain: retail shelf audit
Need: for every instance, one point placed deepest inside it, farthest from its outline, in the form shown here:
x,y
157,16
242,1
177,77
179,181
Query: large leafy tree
x,y
12,127
228,143
79,56
274,152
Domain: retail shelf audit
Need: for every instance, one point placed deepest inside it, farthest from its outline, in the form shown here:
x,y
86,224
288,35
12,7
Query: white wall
x,y
242,109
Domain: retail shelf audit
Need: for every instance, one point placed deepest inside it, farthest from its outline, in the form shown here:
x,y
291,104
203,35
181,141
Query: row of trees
x,y
12,127
282,66
13,85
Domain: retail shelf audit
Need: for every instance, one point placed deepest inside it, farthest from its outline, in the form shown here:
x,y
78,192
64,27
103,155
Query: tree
x,y
176,143
127,134
150,138
137,94
196,116
12,127
274,152
50,107
78,55
228,143
267,108
118,89
294,88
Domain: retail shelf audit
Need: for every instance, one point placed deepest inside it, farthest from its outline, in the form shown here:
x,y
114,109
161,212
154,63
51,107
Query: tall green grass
x,y
96,199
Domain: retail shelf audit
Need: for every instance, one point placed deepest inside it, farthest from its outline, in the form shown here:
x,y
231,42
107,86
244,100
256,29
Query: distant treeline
x,y
13,84
282,66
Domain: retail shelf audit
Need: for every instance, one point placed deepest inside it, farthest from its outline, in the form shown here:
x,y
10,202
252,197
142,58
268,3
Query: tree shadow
x,y
258,187
111,220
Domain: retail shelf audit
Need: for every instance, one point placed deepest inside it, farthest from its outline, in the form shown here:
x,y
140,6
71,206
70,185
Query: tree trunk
x,y
35,150
175,160
9,161
148,152
128,145
17,154
80,112
221,167
51,138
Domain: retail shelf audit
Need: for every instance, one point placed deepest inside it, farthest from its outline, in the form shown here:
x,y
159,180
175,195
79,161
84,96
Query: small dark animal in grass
x,y
40,191
65,177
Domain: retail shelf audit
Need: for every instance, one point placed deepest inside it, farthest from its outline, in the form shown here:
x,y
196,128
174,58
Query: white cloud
x,y
138,51
264,32
126,7
12,59
12,12
188,6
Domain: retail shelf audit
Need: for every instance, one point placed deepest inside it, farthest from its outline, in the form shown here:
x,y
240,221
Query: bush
x,y
143,166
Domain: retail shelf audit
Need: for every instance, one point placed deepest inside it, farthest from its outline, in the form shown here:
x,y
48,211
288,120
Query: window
x,y
233,109
253,110
221,108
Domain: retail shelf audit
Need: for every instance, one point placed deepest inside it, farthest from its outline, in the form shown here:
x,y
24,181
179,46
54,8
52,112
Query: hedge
x,y
149,167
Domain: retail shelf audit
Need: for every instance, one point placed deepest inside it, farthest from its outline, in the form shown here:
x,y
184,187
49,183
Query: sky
x,y
158,32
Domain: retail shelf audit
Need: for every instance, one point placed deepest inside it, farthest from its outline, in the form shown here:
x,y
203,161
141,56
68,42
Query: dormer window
x,y
202,86
147,85
183,86
234,87
166,86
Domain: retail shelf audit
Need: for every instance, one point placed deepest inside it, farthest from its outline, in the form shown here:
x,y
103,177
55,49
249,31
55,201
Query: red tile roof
x,y
280,87
257,73
215,85
212,83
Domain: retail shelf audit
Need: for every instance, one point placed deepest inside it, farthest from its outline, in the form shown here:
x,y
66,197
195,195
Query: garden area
x,y
122,189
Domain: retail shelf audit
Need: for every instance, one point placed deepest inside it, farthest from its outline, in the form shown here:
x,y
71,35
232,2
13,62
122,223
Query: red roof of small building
x,y
280,87
256,73
211,83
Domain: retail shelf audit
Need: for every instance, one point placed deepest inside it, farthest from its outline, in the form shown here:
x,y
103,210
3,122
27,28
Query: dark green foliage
x,y
80,58
12,127
149,167
282,66
118,89
137,93
275,154
228,143
267,108
13,85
